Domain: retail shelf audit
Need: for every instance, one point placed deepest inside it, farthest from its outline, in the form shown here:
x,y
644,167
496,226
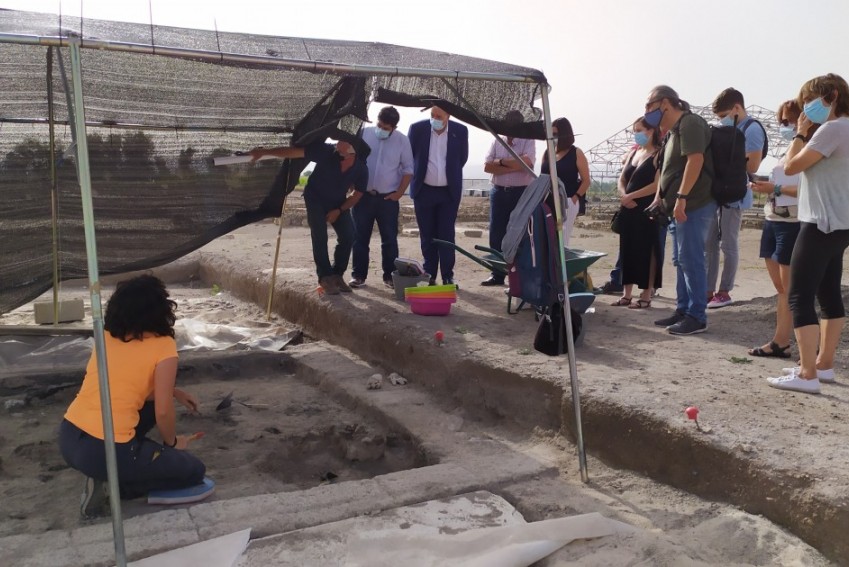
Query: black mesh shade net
x,y
162,102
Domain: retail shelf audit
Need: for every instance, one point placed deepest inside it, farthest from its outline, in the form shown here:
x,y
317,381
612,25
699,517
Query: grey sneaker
x,y
94,499
676,317
687,326
340,283
356,282
329,284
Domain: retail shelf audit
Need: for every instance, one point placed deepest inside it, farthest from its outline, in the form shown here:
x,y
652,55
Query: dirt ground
x,y
277,435
622,357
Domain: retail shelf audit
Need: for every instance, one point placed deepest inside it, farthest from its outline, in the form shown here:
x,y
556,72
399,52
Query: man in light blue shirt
x,y
724,231
390,168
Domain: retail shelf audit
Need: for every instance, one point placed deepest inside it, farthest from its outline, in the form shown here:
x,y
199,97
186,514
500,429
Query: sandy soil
x,y
623,357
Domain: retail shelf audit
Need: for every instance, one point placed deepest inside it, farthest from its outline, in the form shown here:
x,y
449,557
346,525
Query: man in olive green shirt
x,y
685,180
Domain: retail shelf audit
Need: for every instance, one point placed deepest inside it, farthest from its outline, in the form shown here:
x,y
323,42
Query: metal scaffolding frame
x,y
605,158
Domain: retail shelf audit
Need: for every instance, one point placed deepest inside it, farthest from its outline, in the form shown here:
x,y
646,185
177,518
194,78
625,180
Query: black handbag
x,y
615,223
551,333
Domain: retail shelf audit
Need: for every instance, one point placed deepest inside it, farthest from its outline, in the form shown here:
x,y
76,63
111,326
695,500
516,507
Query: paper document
x,y
238,157
781,178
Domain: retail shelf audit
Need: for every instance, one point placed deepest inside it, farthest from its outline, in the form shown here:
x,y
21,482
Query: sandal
x,y
774,351
641,304
622,302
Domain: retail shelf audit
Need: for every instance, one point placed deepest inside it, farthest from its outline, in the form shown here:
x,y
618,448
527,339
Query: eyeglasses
x,y
651,102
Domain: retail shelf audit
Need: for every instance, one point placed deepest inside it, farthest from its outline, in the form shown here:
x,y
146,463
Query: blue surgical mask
x,y
641,138
787,132
653,118
816,111
437,124
727,121
382,134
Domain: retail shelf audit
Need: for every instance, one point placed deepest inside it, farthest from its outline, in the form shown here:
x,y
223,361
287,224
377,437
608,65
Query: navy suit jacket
x,y
456,156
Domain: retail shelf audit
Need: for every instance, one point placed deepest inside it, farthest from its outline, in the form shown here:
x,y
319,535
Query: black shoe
x,y
491,281
389,283
687,326
431,281
94,499
450,281
676,317
611,288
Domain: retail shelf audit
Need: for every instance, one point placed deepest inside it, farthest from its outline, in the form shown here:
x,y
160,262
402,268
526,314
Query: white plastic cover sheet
x,y
27,353
222,551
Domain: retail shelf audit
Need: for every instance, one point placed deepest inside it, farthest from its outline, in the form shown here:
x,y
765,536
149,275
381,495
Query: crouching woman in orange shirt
x,y
141,356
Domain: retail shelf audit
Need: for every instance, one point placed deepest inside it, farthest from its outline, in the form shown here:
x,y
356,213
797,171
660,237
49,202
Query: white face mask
x,y
787,132
382,134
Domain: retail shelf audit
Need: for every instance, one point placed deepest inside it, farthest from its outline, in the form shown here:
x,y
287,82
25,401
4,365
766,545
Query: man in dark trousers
x,y
390,168
337,171
440,150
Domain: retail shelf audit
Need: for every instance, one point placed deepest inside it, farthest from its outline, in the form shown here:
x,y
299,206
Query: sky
x,y
601,57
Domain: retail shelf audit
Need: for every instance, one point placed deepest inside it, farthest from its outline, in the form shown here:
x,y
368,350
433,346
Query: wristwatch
x,y
800,137
681,196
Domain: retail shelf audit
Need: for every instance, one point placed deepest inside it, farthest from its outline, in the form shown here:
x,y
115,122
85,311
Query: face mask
x,y
382,134
437,124
816,111
727,121
653,118
641,138
787,132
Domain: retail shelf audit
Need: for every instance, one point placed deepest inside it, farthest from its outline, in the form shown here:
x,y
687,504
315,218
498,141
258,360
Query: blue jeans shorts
x,y
777,241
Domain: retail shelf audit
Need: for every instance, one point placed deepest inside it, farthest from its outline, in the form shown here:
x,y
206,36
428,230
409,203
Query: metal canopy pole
x,y
276,260
84,175
54,187
570,338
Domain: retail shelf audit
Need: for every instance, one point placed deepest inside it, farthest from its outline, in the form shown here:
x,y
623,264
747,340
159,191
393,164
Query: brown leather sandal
x,y
641,304
622,302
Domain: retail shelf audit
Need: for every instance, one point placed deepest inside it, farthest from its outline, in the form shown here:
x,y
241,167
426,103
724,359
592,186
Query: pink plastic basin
x,y
431,307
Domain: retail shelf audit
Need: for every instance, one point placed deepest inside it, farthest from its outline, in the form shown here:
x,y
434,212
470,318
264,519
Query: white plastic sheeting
x,y
32,353
479,529
222,551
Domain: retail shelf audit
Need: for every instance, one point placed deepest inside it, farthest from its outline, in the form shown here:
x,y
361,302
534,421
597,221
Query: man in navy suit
x,y
440,150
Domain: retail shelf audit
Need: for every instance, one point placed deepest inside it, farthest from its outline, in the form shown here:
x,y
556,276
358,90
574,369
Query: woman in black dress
x,y
638,239
573,170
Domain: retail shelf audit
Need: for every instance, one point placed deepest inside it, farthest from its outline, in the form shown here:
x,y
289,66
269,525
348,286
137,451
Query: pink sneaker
x,y
720,299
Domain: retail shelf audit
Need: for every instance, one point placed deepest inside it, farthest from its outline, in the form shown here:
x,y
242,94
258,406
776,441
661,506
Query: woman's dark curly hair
x,y
138,306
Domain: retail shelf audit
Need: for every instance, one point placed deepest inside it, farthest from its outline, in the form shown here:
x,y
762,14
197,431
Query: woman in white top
x,y
780,230
816,266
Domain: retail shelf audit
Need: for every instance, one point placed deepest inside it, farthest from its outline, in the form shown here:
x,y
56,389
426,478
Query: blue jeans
x,y
344,227
616,272
373,208
502,201
688,257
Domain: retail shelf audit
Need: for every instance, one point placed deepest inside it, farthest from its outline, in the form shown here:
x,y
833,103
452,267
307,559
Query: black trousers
x,y
143,465
816,268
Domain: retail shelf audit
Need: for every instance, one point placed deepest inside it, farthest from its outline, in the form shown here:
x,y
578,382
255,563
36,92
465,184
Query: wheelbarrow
x,y
577,263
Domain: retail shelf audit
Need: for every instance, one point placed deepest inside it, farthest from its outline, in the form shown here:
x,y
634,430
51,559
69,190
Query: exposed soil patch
x,y
292,437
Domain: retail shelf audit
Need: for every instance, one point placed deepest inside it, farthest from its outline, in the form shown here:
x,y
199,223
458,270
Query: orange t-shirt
x,y
131,366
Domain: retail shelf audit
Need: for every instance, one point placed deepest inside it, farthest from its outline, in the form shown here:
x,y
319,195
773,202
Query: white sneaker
x,y
796,384
825,376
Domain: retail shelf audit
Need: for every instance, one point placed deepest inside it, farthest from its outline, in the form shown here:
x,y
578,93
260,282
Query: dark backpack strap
x,y
765,149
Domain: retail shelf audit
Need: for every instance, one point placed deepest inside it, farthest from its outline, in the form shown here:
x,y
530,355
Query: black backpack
x,y
728,148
